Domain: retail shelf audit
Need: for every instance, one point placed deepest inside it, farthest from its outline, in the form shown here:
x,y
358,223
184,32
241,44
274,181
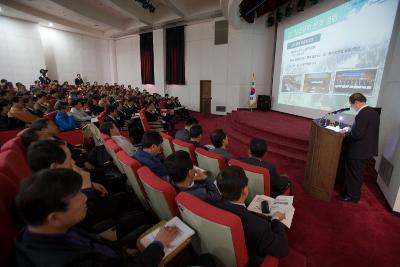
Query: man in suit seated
x,y
220,142
257,150
78,112
184,134
148,154
63,119
54,154
196,134
111,130
263,237
185,178
51,203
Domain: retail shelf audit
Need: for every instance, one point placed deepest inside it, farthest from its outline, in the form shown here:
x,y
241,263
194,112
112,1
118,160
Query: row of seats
x,y
218,232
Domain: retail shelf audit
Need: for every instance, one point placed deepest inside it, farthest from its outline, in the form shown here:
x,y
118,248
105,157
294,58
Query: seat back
x,y
102,117
112,148
143,119
15,144
14,165
219,232
160,194
210,161
188,147
167,145
6,135
259,179
130,166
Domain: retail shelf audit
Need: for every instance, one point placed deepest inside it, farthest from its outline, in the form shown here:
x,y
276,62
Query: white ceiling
x,y
109,18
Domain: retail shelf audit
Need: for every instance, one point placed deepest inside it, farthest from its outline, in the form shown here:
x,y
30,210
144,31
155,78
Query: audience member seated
x,y
120,207
220,142
112,115
41,105
111,130
263,237
184,134
152,115
130,107
18,111
185,178
148,154
78,112
196,134
51,203
93,106
7,122
63,119
257,150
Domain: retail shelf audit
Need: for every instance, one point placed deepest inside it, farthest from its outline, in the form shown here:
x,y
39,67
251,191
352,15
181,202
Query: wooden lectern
x,y
323,158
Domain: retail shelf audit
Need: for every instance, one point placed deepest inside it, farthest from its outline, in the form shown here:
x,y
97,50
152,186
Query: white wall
x,y
389,139
229,66
67,54
21,52
128,61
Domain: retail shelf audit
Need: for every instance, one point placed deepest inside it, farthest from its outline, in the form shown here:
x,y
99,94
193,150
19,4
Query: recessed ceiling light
x,y
1,10
51,24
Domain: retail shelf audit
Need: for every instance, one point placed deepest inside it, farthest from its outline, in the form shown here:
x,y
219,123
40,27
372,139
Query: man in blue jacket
x,y
148,155
64,121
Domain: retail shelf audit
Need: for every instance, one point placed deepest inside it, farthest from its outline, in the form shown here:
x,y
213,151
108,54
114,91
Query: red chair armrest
x,y
270,261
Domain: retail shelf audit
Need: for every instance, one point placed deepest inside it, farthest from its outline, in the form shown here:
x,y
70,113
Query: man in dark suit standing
x,y
78,80
362,138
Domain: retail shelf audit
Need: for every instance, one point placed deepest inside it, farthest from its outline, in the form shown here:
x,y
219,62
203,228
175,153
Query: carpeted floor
x,y
323,234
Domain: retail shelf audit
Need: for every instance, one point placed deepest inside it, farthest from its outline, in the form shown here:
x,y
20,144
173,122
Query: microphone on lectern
x,y
339,111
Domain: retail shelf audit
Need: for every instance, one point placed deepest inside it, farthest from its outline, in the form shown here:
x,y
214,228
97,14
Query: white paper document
x,y
283,204
333,128
184,232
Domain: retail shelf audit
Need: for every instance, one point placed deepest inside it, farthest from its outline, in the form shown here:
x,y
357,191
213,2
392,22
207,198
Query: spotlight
x,y
300,5
51,24
1,10
279,15
146,4
270,20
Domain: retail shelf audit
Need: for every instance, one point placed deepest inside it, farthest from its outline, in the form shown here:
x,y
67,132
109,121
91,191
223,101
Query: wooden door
x,y
205,98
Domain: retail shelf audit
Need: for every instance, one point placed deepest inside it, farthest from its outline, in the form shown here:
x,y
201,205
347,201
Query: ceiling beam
x,y
86,10
177,7
48,17
133,10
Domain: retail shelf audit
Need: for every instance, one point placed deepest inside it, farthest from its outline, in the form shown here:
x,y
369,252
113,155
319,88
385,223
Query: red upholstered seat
x,y
15,144
14,165
259,178
143,119
167,145
22,131
188,147
210,161
6,135
102,117
74,137
161,195
104,137
131,166
111,144
219,232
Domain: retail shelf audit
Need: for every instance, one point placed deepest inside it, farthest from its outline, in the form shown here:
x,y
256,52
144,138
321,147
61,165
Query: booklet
x,y
184,232
282,204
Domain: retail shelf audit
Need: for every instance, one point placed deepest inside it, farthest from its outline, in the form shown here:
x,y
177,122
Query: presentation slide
x,y
334,54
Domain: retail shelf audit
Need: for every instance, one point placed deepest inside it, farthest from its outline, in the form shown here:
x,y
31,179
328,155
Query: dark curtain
x,y
147,58
175,55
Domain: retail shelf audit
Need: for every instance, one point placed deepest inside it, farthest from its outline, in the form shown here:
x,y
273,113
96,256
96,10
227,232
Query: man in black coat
x,y
51,203
362,139
78,80
263,237
257,150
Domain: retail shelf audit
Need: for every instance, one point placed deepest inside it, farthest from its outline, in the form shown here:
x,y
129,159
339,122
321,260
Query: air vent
x,y
220,108
221,32
385,170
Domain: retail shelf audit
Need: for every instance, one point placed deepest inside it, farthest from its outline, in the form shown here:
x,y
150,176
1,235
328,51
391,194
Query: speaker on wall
x,y
264,102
